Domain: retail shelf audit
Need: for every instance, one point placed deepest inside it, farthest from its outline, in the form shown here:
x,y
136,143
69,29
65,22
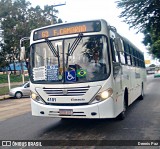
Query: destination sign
x,y
67,29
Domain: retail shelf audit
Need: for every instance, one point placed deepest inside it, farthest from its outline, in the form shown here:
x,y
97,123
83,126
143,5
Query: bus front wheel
x,y
122,115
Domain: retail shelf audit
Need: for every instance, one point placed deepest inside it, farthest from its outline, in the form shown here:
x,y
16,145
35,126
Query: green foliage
x,y
18,18
4,90
3,61
13,78
143,15
152,39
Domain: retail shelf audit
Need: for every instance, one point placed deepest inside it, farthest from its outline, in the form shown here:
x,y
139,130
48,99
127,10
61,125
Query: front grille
x,y
78,91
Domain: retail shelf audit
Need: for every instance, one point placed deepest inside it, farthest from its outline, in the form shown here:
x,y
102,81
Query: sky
x,y
81,10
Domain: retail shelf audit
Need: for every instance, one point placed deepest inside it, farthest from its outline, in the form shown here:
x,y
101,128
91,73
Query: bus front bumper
x,y
94,111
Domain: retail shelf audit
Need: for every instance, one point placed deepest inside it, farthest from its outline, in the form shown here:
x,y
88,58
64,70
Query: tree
x,y
143,15
152,40
18,18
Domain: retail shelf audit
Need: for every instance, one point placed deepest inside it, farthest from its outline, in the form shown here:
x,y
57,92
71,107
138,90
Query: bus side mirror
x,y
118,44
22,54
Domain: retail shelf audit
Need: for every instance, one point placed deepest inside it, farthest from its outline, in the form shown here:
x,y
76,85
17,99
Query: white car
x,y
19,92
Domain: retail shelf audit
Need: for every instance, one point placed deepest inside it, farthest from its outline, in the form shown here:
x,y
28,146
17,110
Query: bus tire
x,y
122,115
141,97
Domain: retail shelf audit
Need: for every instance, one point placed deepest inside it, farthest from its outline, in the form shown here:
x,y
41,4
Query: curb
x,y
4,97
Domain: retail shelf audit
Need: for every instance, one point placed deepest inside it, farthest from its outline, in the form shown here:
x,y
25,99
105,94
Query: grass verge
x,y
13,78
5,90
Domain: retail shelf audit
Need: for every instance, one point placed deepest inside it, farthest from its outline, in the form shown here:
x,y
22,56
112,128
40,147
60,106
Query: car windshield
x,y
74,60
25,84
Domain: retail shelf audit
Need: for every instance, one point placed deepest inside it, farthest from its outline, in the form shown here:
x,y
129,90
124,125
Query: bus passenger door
x,y
117,78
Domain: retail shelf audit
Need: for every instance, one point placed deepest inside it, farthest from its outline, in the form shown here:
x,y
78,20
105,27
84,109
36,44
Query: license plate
x,y
65,112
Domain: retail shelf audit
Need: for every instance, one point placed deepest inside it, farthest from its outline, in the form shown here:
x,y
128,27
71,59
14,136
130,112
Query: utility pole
x,y
52,15
1,34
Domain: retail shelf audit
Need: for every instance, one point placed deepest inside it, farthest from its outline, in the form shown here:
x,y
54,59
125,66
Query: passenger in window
x,y
98,64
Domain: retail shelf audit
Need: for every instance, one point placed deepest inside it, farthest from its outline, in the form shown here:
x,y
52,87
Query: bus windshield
x,y
73,60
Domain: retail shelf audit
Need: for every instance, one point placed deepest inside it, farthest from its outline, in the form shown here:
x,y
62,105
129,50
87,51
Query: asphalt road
x,y
142,123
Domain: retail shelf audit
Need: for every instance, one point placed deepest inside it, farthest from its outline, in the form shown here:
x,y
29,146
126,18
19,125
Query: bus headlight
x,y
103,95
37,98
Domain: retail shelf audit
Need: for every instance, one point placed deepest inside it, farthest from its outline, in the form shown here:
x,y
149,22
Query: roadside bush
x,y
13,78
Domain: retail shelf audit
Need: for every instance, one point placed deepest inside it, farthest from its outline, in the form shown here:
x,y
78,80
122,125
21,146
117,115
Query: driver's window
x,y
114,51
27,85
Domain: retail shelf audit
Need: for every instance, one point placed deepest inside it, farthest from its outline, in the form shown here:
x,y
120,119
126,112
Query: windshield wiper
x,y
74,45
53,50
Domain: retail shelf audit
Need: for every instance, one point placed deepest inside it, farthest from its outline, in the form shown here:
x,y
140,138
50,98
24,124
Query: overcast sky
x,y
79,10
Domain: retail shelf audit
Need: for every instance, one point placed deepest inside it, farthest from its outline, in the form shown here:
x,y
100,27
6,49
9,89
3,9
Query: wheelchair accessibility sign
x,y
70,76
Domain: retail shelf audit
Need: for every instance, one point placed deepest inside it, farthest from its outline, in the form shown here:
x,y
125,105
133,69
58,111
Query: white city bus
x,y
84,70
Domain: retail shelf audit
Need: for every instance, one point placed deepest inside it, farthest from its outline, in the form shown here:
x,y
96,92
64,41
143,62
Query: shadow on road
x,y
65,129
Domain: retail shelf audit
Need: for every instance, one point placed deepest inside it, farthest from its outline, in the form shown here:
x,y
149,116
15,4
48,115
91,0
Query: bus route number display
x,y
67,29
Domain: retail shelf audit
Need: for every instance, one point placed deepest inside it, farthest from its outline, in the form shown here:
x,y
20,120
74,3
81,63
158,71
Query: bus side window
x,y
130,55
122,54
128,59
135,56
122,57
114,51
127,54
